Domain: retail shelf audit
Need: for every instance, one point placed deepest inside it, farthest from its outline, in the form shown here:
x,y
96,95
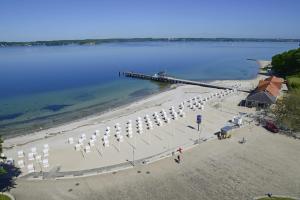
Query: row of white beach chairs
x,y
33,155
198,102
159,118
31,168
33,152
139,127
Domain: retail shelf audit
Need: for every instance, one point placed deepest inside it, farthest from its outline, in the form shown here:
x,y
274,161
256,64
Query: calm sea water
x,y
44,86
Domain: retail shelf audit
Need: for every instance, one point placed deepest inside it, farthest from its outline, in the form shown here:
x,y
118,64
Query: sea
x,y
42,86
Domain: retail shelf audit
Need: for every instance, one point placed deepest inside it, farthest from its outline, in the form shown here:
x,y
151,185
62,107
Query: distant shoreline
x,y
124,40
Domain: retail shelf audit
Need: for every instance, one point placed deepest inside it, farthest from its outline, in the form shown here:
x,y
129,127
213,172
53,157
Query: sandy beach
x,y
151,145
216,169
133,169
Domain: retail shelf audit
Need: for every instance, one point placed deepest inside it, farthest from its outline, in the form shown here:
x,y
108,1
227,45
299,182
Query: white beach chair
x,y
118,133
21,163
70,140
130,134
107,132
182,114
33,150
149,122
31,156
46,146
105,137
80,141
87,149
83,136
129,128
175,116
140,131
97,133
120,138
106,143
30,168
38,158
159,123
92,142
77,147
118,128
167,120
21,154
94,137
45,163
150,126
46,152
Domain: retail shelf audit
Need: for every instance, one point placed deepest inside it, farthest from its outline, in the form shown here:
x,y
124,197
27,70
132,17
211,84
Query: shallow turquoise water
x,y
43,86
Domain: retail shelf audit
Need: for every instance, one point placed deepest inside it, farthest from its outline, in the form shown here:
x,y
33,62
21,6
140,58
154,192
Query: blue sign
x,y
199,119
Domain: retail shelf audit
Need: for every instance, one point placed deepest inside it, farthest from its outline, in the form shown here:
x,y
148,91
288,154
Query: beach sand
x,y
216,169
156,143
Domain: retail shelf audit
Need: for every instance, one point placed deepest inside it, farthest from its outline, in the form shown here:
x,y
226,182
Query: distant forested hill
x,y
100,41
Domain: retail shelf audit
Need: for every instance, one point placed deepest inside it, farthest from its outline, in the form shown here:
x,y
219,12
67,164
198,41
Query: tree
x,y
287,110
1,142
2,170
8,173
287,63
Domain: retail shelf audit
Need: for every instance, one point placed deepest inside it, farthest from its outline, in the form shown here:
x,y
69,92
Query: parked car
x,y
270,126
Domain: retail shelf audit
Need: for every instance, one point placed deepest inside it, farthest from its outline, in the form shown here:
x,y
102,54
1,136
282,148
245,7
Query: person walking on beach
x,y
180,150
178,158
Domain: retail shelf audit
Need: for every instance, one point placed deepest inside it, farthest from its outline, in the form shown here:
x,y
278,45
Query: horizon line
x,y
156,38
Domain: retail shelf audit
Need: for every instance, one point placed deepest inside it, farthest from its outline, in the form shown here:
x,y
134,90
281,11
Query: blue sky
x,y
29,20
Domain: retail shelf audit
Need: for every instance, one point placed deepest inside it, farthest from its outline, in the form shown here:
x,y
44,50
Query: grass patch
x,y
4,197
275,198
294,82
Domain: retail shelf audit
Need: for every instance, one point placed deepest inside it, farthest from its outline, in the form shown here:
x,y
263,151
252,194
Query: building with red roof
x,y
266,92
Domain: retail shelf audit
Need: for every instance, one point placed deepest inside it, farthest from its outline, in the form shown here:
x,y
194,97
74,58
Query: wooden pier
x,y
173,80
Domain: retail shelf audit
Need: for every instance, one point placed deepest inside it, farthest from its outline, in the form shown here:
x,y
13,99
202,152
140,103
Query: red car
x,y
271,127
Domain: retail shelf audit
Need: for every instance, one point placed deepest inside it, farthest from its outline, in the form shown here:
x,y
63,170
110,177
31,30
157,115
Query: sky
x,y
31,20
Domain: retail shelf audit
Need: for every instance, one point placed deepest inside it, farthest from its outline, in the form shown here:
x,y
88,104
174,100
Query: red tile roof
x,y
275,79
272,85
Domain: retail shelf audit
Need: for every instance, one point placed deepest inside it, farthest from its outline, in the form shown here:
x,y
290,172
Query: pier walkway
x,y
173,80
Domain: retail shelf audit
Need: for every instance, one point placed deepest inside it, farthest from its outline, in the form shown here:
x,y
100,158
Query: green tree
x,y
1,142
2,170
287,110
287,63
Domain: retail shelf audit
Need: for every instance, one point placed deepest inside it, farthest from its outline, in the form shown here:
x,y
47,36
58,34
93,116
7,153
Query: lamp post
x,y
199,120
133,151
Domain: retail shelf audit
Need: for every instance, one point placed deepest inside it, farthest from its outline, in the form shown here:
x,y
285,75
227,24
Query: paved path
x,y
213,170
